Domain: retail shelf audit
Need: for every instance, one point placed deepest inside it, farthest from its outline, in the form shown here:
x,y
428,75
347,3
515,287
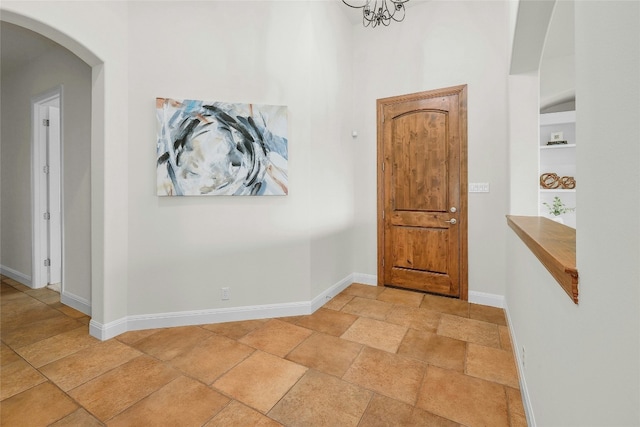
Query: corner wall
x,y
267,250
56,67
440,44
581,366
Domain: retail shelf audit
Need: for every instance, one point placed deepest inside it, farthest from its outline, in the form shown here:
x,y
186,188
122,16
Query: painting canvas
x,y
219,148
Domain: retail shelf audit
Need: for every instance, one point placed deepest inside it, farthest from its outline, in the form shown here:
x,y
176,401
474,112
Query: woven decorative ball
x,y
568,182
549,180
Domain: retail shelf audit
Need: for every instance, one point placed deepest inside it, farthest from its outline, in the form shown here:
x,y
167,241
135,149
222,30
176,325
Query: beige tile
x,y
84,365
401,297
291,319
518,420
463,399
387,374
132,337
326,353
39,330
212,358
505,338
517,415
276,337
17,377
183,402
167,343
368,308
7,355
321,399
235,330
515,401
421,319
235,414
261,380
328,321
491,364
19,286
446,305
374,333
45,295
67,311
30,331
21,409
469,330
434,349
487,314
118,389
337,302
57,347
23,310
364,291
386,412
79,418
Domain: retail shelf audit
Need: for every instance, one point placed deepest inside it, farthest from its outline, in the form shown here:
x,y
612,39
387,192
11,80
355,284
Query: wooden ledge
x,y
555,246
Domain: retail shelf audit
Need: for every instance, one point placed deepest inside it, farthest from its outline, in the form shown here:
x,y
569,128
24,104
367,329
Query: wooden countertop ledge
x,y
555,246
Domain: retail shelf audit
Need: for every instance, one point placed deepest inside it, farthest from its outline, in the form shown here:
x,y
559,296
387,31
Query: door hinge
x,y
45,169
47,262
382,214
45,122
383,262
383,167
47,215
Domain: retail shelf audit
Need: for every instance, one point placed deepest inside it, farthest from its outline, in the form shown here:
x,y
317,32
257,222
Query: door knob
x,y
452,221
453,209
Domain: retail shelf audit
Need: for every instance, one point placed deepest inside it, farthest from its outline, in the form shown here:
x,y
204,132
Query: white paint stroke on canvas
x,y
218,148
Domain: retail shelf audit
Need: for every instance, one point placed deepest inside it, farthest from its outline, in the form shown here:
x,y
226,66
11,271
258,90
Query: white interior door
x,y
54,197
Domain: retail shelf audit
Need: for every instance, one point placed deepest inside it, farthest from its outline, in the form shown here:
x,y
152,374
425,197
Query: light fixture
x,y
376,12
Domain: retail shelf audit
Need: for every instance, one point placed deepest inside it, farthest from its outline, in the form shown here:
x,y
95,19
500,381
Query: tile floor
x,y
371,356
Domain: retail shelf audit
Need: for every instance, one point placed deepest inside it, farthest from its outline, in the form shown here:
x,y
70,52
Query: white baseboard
x,y
526,401
334,290
76,302
218,315
107,330
365,279
15,275
484,298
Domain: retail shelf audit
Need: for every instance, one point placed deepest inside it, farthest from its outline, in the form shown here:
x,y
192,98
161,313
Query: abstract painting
x,y
219,148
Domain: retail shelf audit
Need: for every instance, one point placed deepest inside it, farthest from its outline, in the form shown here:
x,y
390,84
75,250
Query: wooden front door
x,y
422,191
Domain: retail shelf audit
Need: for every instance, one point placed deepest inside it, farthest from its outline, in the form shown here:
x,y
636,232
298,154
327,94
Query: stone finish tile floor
x,y
372,356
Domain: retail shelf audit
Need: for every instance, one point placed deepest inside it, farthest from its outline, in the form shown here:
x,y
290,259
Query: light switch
x,y
478,187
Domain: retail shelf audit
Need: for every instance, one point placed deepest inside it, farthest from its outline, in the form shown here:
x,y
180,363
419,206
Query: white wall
x,y
582,361
56,67
268,250
441,44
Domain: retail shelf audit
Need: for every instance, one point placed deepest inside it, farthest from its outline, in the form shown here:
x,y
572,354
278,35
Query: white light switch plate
x,y
478,187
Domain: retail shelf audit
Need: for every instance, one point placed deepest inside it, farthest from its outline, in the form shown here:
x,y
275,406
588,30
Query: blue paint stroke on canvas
x,y
217,148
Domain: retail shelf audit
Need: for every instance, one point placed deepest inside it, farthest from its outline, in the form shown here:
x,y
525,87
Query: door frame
x,y
39,190
461,92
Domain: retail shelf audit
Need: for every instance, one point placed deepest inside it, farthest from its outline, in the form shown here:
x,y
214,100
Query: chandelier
x,y
376,12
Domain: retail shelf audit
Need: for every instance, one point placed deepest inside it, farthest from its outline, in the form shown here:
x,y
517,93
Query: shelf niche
x,y
559,159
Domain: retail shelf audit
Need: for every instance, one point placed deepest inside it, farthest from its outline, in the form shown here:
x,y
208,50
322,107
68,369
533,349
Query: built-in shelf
x,y
555,147
559,159
554,245
557,190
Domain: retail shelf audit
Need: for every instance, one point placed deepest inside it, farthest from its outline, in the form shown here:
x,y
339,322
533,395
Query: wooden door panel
x,y
421,177
417,219
421,280
421,249
419,153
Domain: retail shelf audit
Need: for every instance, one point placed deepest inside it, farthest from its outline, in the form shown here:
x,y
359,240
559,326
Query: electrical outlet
x,y
522,358
224,293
